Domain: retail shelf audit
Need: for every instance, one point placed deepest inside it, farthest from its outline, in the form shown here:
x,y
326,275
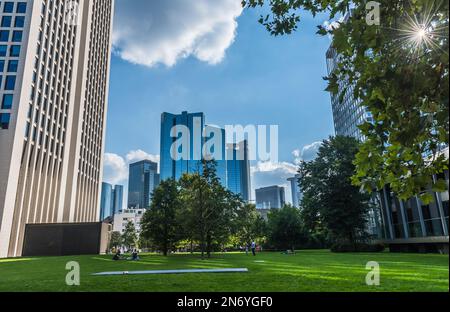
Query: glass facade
x,y
106,201
238,169
143,179
413,218
111,200
174,168
271,197
348,113
297,194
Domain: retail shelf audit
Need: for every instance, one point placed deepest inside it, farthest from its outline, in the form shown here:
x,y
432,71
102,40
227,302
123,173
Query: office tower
x,y
219,151
53,93
238,169
117,205
174,166
270,197
295,190
348,114
111,200
406,225
143,179
106,202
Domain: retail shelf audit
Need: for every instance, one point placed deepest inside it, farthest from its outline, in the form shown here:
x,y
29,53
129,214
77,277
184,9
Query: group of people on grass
x,y
252,246
118,255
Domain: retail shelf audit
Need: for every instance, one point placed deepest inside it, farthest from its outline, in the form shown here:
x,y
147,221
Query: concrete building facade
x,y
53,113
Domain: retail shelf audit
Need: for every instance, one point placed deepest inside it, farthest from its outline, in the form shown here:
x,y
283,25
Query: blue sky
x,y
256,79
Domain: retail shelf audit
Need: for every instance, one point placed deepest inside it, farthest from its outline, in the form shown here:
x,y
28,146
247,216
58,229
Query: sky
x,y
213,57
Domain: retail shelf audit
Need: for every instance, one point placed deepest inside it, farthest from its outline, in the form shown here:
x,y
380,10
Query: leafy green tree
x,y
208,208
399,70
129,236
115,240
159,223
285,228
248,224
330,199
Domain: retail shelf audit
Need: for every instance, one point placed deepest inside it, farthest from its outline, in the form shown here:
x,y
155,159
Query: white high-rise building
x,y
54,76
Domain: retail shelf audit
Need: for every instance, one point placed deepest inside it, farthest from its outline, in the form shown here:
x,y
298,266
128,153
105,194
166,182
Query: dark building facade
x,y
143,179
271,197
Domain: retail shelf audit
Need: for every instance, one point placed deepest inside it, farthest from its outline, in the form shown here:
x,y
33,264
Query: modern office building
x,y
54,74
404,225
271,197
297,194
143,179
188,159
117,204
238,169
111,200
174,164
348,114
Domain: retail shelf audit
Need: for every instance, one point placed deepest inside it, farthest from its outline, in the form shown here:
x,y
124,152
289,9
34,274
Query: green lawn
x,y
305,271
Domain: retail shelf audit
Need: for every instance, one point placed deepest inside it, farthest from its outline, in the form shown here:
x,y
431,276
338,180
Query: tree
x,y
208,207
285,228
129,236
329,196
399,70
115,240
159,223
248,224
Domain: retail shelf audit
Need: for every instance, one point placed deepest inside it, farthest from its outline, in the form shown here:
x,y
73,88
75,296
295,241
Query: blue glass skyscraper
x,y
106,201
175,167
238,169
111,200
143,179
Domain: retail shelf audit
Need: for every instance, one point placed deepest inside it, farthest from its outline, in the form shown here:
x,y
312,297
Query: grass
x,y
304,272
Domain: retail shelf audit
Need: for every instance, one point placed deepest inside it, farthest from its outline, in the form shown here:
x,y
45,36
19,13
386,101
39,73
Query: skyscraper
x,y
270,197
117,205
295,190
54,73
111,200
348,114
106,201
143,179
174,166
238,169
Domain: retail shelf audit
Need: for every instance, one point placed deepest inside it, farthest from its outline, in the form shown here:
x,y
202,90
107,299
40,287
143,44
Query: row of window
x,y
16,36
12,66
14,50
21,7
10,83
19,21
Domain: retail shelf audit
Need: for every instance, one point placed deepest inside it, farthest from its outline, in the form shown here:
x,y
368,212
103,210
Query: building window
x,y
6,21
4,121
7,101
4,35
21,7
3,49
9,7
14,51
10,83
12,66
17,36
19,21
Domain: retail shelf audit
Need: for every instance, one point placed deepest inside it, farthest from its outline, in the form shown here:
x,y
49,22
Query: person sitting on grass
x,y
117,255
135,255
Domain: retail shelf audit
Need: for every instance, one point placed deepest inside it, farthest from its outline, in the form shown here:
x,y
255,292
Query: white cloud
x,y
307,153
164,31
115,167
270,173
